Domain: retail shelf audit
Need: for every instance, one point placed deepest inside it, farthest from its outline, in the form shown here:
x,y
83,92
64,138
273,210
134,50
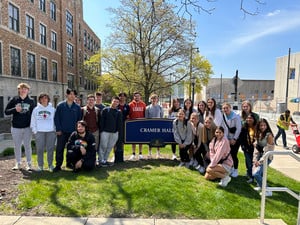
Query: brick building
x,y
44,43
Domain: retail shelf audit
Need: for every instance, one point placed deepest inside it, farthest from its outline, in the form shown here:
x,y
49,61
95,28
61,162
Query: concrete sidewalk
x,y
29,220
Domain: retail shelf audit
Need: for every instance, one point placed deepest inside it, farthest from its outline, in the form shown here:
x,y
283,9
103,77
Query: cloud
x,y
274,13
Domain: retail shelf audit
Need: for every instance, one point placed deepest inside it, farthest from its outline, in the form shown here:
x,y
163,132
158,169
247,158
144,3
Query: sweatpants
x,y
45,140
107,142
22,136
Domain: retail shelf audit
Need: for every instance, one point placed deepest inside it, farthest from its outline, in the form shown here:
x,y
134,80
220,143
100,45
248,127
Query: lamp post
x,y
191,69
193,82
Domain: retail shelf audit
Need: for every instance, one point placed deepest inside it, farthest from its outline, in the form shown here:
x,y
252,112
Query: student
x,y
43,128
67,114
99,104
173,111
246,110
247,138
154,110
81,152
201,110
21,107
111,125
220,158
214,112
188,107
183,136
137,110
264,143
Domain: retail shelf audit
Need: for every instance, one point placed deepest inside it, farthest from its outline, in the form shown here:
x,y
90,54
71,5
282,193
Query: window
x,y
69,23
0,58
292,73
84,38
70,54
70,81
54,71
15,61
42,34
53,11
31,66
44,69
53,41
14,21
42,5
29,27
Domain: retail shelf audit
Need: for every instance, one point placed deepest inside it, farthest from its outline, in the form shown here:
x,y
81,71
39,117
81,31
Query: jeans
x,y
281,132
249,164
258,173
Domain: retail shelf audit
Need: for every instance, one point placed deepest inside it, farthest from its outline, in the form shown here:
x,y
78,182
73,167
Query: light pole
x,y
191,69
193,82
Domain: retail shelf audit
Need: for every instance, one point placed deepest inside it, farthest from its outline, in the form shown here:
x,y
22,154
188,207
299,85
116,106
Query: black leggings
x,y
234,149
183,153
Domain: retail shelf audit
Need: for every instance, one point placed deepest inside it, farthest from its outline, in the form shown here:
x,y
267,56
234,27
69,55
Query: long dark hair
x,y
246,125
213,109
190,109
261,135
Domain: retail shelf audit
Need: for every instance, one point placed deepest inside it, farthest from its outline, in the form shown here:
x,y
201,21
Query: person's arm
x,y
10,107
189,135
175,133
33,122
293,122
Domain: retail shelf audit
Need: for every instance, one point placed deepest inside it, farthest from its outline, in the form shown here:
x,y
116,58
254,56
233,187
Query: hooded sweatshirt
x,y
42,118
137,109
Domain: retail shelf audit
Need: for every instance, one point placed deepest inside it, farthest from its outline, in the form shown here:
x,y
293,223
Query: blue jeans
x,y
258,174
249,164
281,132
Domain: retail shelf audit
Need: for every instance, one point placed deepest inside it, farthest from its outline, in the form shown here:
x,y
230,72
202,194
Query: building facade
x,y
44,43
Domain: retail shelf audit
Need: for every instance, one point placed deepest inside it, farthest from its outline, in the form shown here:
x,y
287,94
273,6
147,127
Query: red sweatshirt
x,y
137,109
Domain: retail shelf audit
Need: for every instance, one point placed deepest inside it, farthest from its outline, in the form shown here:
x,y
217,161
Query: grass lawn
x,y
147,189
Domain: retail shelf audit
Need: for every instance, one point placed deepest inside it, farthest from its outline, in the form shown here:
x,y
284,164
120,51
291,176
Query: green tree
x,y
149,48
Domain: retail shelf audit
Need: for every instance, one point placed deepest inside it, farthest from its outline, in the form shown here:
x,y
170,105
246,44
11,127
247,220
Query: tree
x,y
150,43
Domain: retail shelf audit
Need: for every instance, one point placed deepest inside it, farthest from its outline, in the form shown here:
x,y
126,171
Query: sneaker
x,y
268,193
195,164
141,157
235,173
257,188
28,167
201,169
132,157
104,164
158,156
39,169
181,164
286,147
174,157
51,168
17,166
250,180
224,181
56,169
191,163
149,156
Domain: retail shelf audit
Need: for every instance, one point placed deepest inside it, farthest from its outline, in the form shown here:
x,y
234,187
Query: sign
x,y
155,132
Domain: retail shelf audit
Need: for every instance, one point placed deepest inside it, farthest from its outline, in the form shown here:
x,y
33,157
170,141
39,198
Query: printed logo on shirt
x,y
44,114
80,142
25,107
137,109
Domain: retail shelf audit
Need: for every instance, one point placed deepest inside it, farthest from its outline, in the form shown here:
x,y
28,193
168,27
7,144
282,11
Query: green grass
x,y
150,188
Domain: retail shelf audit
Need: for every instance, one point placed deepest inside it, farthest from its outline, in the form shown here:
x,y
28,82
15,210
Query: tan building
x,y
287,79
44,43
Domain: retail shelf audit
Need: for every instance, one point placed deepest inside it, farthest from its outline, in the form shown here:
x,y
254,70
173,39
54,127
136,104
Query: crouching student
x,y
264,143
220,159
81,152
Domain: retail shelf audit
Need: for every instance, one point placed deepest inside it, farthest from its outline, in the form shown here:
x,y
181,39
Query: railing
x,y
265,188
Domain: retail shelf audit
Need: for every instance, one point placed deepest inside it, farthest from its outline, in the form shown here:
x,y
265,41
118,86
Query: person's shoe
x,y
201,169
17,166
224,181
195,164
191,163
149,156
275,142
158,156
104,164
268,193
257,188
250,180
51,168
39,169
132,157
174,157
286,147
28,167
235,173
141,157
181,164
56,169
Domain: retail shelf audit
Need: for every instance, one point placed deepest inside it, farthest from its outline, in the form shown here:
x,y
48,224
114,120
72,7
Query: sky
x,y
227,38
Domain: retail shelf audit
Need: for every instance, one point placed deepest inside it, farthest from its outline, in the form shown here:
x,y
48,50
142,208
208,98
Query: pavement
x,y
283,163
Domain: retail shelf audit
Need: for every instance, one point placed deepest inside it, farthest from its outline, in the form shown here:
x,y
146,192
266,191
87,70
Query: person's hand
x,y
83,150
58,133
18,107
232,142
78,165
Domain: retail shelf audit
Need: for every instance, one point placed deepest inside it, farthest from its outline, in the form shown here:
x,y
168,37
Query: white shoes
x,y
132,157
141,156
201,170
257,188
268,193
17,166
174,157
28,167
224,181
234,173
181,164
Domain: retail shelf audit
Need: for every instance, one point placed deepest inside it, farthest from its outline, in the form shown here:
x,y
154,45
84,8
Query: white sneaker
x,y
257,188
132,157
195,164
39,169
235,173
268,193
51,168
17,166
149,156
181,164
191,163
28,167
158,156
174,157
201,169
224,181
141,156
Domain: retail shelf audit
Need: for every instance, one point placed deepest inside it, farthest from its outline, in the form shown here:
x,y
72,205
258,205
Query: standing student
x,y
173,111
283,124
232,126
43,128
137,110
264,143
111,125
21,107
67,114
201,110
220,158
188,107
246,110
214,112
183,136
81,152
154,110
99,104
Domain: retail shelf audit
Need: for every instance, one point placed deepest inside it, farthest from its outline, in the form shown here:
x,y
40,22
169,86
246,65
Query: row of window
x,y
14,24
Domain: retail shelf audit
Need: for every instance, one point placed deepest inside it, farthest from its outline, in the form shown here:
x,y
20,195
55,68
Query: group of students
x,y
209,140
